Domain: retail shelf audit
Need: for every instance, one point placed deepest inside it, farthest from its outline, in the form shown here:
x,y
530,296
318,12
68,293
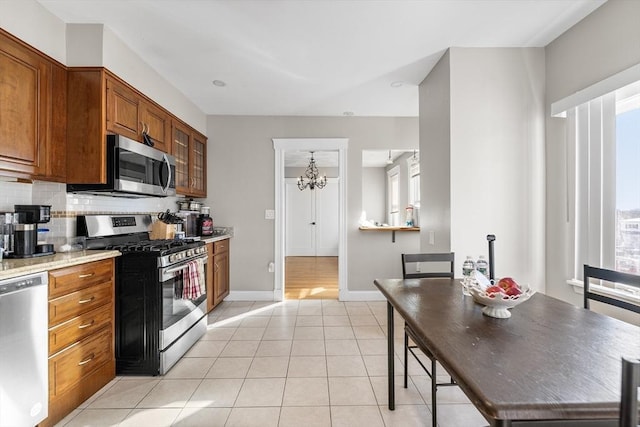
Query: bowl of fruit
x,y
500,297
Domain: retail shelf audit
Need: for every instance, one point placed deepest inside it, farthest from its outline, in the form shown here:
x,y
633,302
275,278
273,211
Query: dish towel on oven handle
x,y
194,280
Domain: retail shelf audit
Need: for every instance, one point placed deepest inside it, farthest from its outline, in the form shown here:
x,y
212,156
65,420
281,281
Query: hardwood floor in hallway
x,y
308,277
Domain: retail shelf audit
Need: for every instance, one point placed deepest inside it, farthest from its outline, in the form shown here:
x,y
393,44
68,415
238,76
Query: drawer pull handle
x,y
86,325
82,276
84,301
87,360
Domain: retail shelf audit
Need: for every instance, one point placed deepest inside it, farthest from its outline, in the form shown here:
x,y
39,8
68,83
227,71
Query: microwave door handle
x,y
166,160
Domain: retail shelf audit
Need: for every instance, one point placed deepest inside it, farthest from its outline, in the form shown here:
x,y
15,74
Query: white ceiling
x,y
315,57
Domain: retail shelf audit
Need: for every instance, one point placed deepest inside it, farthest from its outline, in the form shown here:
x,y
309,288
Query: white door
x,y
312,220
327,220
299,218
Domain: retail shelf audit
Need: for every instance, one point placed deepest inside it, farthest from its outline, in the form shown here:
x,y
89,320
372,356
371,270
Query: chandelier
x,y
312,181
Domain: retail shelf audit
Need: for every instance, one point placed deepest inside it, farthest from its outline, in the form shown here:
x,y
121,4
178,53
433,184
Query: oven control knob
x,y
190,252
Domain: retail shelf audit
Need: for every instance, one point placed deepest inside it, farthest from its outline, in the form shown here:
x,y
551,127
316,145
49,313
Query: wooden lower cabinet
x,y
81,335
217,272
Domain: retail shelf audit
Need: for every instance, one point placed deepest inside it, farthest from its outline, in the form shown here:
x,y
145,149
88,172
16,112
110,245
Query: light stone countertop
x,y
215,238
21,266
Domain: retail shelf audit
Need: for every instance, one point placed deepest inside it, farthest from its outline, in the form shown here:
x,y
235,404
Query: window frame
x,y
413,163
393,216
591,191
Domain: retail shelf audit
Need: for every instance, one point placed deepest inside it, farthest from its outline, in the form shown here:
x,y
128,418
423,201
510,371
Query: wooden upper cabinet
x,y
130,114
189,147
86,131
123,110
197,164
101,103
157,123
180,149
32,133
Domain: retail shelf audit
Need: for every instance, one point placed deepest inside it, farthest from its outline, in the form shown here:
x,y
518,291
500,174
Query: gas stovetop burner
x,y
162,246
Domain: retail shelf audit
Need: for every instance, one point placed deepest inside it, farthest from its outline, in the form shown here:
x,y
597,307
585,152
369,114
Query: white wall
x,y
240,184
435,158
496,166
35,25
604,43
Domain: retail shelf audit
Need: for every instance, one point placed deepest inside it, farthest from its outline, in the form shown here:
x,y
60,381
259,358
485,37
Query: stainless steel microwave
x,y
134,170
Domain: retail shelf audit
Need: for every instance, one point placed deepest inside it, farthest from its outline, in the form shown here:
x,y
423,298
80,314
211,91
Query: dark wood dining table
x,y
550,364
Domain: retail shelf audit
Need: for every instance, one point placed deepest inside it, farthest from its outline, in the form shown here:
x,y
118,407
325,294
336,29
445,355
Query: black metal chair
x,y
609,276
629,392
407,273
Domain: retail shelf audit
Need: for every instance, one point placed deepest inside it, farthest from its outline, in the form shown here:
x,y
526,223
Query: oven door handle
x,y
166,160
166,272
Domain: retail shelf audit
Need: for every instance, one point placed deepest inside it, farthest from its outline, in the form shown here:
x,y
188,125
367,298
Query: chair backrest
x,y
629,392
448,257
609,276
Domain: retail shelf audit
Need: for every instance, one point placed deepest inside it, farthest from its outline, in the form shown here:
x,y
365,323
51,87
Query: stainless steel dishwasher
x,y
23,350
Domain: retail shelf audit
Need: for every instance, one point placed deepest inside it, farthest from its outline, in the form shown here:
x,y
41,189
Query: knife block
x,y
162,231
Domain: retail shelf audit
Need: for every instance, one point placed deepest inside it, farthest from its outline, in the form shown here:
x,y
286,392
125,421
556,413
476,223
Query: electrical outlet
x,y
271,268
269,214
432,237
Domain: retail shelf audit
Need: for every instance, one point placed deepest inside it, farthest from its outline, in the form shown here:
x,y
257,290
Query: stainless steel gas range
x,y
160,293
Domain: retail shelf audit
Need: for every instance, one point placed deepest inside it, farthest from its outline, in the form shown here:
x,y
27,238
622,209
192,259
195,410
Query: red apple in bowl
x,y
513,291
507,283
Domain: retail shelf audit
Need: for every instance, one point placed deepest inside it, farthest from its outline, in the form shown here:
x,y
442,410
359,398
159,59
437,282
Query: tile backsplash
x,y
66,206
14,193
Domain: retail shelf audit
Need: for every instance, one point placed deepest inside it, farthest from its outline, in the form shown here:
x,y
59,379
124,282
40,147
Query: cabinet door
x,y
157,124
210,278
57,144
24,108
221,276
197,165
122,110
180,150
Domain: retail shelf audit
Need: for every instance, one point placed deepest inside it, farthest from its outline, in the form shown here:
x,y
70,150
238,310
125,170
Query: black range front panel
x,y
138,314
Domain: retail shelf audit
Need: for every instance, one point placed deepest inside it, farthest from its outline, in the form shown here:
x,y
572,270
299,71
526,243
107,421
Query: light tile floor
x,y
294,363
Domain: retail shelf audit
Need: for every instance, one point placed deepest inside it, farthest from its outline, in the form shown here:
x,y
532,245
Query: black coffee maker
x,y
26,231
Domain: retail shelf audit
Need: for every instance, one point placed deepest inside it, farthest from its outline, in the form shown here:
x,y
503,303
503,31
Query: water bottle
x,y
467,267
482,266
467,272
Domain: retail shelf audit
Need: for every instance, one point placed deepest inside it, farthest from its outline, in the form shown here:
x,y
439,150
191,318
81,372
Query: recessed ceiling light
x,y
397,84
348,113
219,83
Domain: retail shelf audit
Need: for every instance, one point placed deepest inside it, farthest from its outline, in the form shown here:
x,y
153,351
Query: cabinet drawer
x,y
221,246
70,279
69,367
79,328
79,302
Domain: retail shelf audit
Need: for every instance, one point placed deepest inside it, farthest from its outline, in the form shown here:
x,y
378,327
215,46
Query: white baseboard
x,y
250,296
348,295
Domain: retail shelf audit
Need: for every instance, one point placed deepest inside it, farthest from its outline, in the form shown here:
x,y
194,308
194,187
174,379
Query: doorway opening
x,y
311,234
310,250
